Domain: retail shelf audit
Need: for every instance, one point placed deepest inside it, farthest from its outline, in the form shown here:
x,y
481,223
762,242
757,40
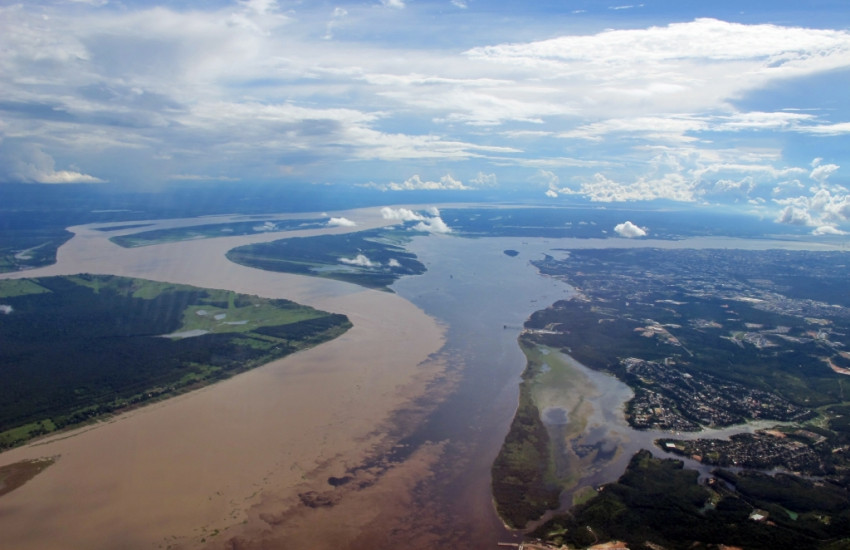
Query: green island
x,y
31,246
373,259
110,343
705,339
523,475
209,231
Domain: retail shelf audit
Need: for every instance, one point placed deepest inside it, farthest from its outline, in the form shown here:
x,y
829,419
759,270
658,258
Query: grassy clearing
x,y
26,432
20,287
240,319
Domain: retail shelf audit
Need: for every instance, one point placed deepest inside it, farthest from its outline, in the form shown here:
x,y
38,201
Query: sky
x,y
735,104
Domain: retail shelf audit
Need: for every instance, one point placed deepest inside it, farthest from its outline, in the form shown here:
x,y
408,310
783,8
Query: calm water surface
x,y
484,296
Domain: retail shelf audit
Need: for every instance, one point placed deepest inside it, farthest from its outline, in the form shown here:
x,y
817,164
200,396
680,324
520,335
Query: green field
x,y
76,348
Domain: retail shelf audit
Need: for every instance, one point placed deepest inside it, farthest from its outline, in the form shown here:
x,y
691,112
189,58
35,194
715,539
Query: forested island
x,y
76,348
209,231
373,259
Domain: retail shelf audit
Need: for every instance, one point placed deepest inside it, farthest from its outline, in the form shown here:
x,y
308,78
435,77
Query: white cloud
x,y
29,164
415,182
394,263
772,48
360,260
823,207
671,186
821,172
485,180
828,129
400,214
342,222
662,78
828,230
665,128
629,230
250,91
433,225
793,215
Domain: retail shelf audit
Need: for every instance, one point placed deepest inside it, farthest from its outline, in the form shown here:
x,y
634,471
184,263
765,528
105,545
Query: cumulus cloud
x,y
400,214
828,230
27,163
433,225
342,222
629,230
360,261
821,172
429,224
485,180
824,207
446,183
793,215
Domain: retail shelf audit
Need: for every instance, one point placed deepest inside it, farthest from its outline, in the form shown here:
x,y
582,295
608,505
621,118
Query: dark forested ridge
x,y
74,348
659,504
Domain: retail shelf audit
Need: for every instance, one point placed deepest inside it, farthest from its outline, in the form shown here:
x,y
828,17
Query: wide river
x,y
483,296
301,452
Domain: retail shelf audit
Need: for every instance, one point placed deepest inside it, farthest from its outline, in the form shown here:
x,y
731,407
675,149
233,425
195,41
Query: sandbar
x,y
223,464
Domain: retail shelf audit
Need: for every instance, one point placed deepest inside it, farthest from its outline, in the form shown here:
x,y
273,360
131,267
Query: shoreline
x,y
212,463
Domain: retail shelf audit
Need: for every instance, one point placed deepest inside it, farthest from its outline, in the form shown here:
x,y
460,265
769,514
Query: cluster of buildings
x,y
668,398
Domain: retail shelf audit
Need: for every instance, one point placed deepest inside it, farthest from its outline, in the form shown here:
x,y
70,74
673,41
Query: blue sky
x,y
706,103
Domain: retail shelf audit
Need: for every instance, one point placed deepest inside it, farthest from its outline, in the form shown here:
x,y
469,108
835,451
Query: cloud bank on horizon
x,y
702,105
